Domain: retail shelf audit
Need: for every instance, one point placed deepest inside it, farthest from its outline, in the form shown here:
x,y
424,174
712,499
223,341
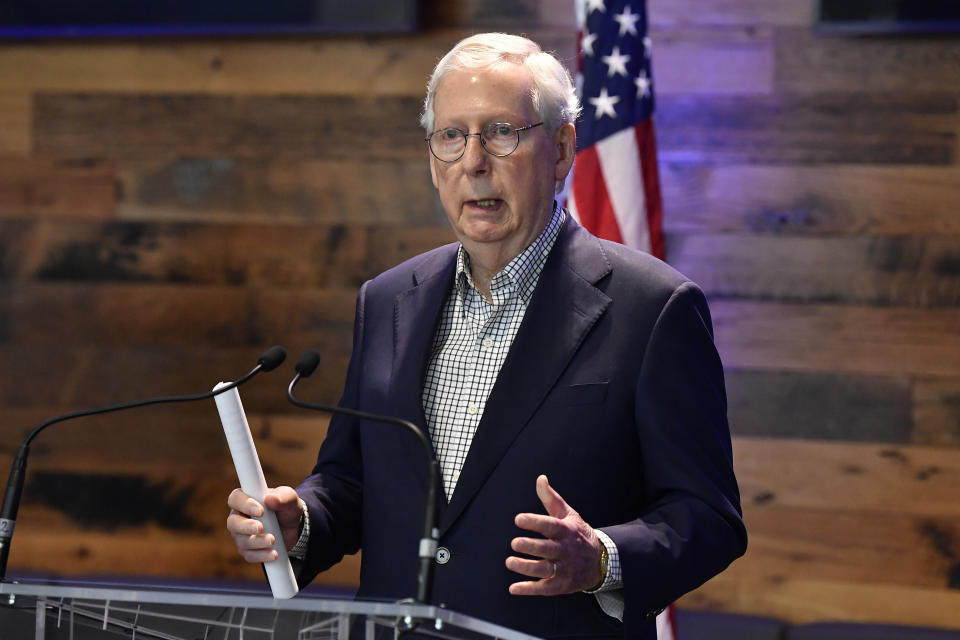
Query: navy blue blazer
x,y
612,387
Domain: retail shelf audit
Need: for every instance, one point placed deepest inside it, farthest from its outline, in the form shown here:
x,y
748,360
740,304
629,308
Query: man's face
x,y
498,204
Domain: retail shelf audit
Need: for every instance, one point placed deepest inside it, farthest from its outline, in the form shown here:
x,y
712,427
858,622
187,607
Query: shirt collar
x,y
523,271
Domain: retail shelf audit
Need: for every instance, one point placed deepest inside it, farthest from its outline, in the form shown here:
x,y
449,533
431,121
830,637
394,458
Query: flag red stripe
x,y
591,197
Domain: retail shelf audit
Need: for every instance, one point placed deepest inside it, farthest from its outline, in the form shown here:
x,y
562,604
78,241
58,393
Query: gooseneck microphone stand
x,y
305,366
268,361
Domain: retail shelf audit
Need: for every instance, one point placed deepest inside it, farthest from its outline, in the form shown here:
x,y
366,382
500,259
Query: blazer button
x,y
443,555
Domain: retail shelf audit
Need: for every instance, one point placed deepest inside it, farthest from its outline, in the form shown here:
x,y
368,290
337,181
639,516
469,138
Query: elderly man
x,y
569,385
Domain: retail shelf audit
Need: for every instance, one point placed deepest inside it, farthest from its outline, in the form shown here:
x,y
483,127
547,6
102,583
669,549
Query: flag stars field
x,y
596,5
613,189
604,104
627,21
616,63
643,84
587,43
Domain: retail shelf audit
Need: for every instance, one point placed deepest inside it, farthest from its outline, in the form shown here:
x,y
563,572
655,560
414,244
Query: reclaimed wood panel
x,y
17,249
318,255
823,406
835,545
16,111
107,501
63,551
854,478
156,442
844,407
551,23
383,66
54,546
273,191
730,12
172,457
166,439
839,127
936,411
288,443
174,125
554,14
171,315
803,601
396,66
843,531
807,62
189,253
842,200
834,338
167,452
884,271
394,249
484,15
37,187
65,377
713,61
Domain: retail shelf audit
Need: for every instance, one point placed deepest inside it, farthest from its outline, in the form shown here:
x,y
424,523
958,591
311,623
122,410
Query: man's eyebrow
x,y
511,120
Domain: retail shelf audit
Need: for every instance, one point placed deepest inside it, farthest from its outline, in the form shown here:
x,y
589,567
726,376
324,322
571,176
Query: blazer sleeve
x,y
333,491
692,528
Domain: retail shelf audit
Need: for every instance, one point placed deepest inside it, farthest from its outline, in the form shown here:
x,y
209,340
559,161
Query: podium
x,y
91,612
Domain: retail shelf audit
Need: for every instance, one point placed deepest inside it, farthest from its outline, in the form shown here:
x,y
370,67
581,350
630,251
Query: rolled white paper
x,y
283,583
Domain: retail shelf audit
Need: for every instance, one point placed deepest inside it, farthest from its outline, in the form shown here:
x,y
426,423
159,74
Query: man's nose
x,y
475,158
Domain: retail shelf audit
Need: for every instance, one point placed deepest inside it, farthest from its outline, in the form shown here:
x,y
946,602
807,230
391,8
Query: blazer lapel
x,y
416,313
539,354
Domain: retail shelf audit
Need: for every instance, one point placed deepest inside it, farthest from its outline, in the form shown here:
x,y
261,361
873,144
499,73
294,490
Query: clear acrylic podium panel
x,y
55,612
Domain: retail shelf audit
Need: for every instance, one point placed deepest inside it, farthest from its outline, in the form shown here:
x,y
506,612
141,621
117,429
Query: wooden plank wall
x,y
812,187
168,209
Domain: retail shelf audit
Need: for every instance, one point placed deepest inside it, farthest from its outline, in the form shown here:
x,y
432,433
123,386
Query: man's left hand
x,y
568,556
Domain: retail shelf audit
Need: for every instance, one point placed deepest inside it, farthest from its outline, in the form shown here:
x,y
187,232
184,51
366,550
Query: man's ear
x,y
565,139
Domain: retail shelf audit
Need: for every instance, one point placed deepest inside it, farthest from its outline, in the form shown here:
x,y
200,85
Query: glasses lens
x,y
447,144
500,138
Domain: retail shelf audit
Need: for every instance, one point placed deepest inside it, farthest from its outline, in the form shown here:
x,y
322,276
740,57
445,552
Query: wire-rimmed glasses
x,y
499,139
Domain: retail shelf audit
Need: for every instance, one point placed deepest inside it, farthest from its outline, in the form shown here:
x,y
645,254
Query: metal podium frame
x,y
159,613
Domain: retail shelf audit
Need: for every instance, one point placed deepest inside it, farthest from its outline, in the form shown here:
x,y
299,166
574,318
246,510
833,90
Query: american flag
x,y
615,188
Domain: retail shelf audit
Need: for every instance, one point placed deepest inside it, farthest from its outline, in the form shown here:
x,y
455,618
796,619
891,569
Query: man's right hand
x,y
252,543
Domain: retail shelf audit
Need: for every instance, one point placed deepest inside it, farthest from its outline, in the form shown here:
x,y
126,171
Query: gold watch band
x,y
604,561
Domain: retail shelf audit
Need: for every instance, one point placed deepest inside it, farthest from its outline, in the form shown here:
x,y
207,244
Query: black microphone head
x,y
307,363
272,358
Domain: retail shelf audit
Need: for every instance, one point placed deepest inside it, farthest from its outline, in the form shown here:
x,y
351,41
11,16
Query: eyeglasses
x,y
498,139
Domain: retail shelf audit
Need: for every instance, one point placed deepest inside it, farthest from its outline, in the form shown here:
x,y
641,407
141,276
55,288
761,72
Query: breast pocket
x,y
580,394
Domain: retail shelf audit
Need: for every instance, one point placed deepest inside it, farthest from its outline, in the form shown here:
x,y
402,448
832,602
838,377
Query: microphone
x,y
305,366
268,361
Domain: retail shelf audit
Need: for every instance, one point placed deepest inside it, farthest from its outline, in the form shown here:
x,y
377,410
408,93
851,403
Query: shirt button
x,y
487,343
443,555
472,409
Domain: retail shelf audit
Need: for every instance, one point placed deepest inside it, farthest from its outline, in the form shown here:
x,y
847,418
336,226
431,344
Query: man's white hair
x,y
553,94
